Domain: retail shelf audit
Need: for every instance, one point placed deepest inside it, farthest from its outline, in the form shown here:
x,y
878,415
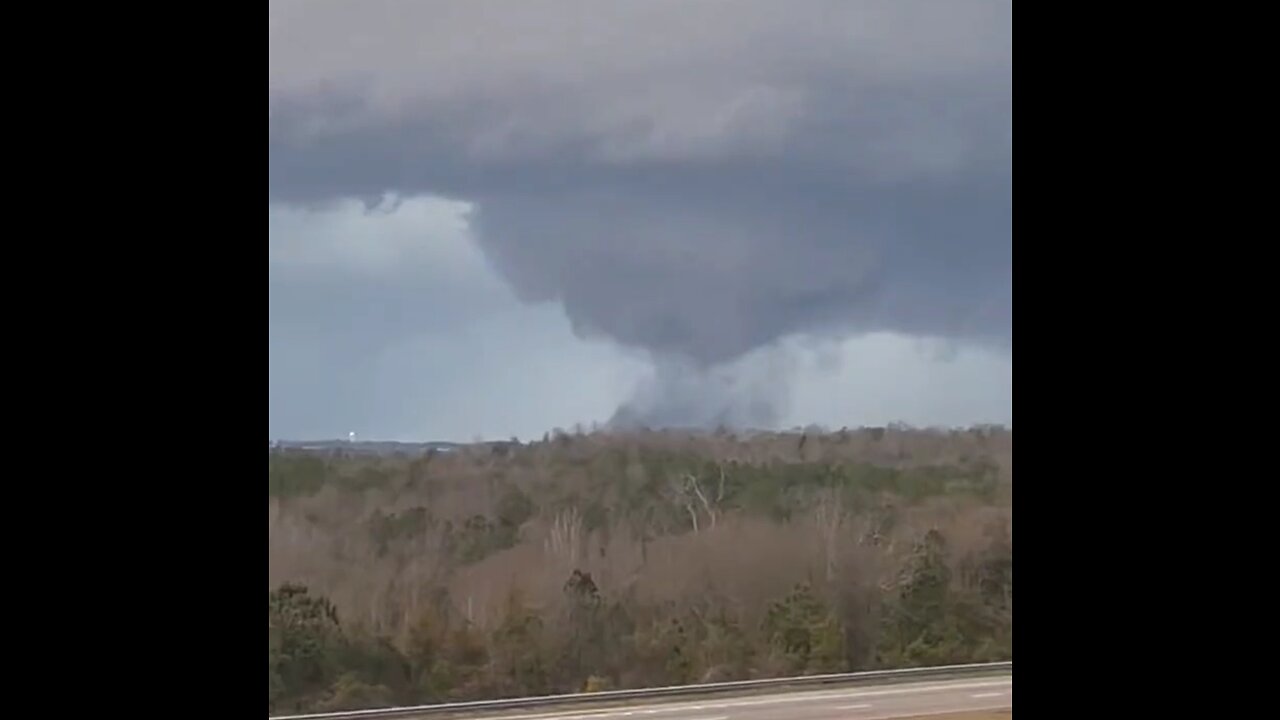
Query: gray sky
x,y
491,218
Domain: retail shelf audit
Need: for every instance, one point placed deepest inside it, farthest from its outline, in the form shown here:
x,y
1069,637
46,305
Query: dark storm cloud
x,y
695,179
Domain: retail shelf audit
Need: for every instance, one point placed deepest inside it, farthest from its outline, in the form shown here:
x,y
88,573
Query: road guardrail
x,y
676,691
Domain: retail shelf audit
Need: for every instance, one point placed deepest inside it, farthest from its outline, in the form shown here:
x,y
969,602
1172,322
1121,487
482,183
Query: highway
x,y
898,700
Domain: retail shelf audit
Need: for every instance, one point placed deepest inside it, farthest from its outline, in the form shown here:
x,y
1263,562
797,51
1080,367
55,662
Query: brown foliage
x,y
462,557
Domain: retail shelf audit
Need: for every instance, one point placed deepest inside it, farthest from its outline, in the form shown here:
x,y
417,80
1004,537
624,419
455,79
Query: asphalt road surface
x,y
864,703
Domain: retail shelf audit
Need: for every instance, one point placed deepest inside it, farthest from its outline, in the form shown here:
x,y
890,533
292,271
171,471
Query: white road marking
x,y
798,697
982,695
863,706
646,712
894,714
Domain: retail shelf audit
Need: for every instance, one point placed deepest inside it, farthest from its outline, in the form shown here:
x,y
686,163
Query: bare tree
x,y
564,540
691,495
829,517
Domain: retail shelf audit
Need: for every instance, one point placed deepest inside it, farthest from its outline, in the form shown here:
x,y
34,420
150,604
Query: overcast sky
x,y
492,218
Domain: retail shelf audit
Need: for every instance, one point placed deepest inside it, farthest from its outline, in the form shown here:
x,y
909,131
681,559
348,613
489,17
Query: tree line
x,y
587,562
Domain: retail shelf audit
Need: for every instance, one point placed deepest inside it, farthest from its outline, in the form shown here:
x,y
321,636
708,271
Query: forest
x,y
591,560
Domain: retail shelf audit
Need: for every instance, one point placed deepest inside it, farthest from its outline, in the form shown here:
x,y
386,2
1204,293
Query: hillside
x,y
647,558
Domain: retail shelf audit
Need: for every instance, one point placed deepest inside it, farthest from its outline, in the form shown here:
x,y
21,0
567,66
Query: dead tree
x,y
830,516
690,489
